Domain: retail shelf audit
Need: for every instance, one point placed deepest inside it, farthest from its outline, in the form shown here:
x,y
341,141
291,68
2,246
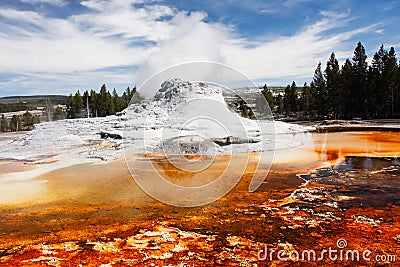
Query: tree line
x,y
18,123
104,103
354,90
26,121
90,104
22,103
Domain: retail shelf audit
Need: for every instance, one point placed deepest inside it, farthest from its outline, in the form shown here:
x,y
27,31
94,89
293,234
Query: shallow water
x,y
334,148
366,163
340,151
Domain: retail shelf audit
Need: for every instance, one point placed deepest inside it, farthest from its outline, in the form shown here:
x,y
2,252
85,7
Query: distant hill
x,y
21,103
33,98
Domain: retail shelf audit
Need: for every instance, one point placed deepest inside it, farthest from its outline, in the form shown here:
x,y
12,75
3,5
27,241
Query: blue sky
x,y
59,46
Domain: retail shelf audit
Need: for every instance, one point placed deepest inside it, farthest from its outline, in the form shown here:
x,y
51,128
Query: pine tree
x,y
333,86
382,83
290,99
375,84
243,107
3,123
15,123
93,103
117,101
124,100
293,97
266,92
70,110
373,92
77,104
128,94
306,102
102,102
321,94
110,105
59,114
397,94
280,104
286,101
28,120
347,87
359,92
390,80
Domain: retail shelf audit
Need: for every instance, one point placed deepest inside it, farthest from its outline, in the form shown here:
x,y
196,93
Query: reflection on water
x,y
366,163
368,150
363,166
332,155
316,150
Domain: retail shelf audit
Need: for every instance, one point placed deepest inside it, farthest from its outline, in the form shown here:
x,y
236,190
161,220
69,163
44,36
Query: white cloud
x,y
66,53
294,3
116,17
63,48
51,2
103,38
34,42
291,57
